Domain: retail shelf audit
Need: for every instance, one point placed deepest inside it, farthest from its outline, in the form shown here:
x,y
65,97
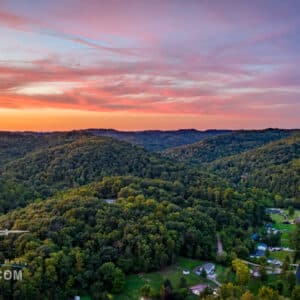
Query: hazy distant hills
x,y
157,140
232,143
17,144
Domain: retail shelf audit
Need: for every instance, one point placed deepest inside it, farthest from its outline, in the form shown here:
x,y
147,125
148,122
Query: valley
x,y
109,219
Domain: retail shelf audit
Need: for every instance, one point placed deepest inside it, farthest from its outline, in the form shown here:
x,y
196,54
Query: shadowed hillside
x,y
218,147
275,167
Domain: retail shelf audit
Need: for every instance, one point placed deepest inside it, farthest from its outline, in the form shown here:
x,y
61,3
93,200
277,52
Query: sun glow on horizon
x,y
166,65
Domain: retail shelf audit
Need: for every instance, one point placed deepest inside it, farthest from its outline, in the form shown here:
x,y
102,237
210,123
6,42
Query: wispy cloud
x,y
163,58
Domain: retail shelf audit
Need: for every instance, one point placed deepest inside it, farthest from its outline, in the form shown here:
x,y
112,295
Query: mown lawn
x,y
285,239
297,214
287,228
277,218
281,255
285,236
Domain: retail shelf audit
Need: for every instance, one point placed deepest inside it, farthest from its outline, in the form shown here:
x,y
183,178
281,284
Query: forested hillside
x,y
80,243
98,208
275,167
157,140
14,145
43,172
225,145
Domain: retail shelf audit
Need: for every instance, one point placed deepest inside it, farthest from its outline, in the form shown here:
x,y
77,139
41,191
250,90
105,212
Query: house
x,y
273,211
209,269
273,249
262,247
274,262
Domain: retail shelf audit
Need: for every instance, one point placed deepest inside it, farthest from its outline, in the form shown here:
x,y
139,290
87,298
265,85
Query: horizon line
x,y
148,130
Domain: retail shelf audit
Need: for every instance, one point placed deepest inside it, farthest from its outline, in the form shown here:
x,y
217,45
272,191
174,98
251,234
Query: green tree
x,y
266,293
147,291
113,277
118,281
296,293
279,286
291,211
203,273
262,269
286,265
242,271
291,280
166,290
248,296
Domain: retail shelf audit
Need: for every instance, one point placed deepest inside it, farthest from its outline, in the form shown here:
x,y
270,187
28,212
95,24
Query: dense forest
x,y
228,144
41,173
275,166
148,226
99,208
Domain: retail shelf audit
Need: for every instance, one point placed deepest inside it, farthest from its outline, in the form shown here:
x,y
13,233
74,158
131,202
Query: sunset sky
x,y
132,65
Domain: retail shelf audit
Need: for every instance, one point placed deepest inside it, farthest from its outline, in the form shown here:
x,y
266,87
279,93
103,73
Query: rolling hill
x,y
17,144
274,166
85,159
225,145
158,140
14,145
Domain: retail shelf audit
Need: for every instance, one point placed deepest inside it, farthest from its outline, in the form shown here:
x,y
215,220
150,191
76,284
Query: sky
x,y
159,64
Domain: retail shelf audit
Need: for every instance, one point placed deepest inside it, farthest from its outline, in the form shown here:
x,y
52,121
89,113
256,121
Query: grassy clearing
x,y
281,255
173,273
278,219
285,236
296,215
286,228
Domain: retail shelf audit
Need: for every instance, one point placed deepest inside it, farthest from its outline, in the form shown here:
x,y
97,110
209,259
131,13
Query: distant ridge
x,y
231,143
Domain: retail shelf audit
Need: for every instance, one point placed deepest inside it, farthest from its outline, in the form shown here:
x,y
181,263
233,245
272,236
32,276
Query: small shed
x,y
110,201
185,272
